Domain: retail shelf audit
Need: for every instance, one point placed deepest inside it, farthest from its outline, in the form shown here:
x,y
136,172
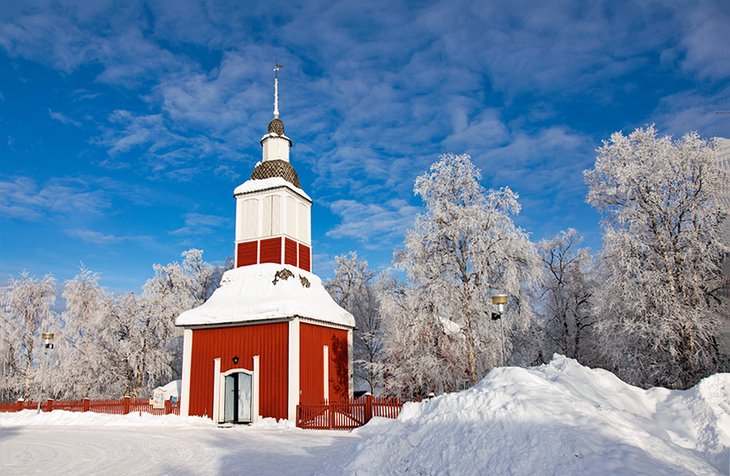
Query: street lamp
x,y
500,300
48,340
47,345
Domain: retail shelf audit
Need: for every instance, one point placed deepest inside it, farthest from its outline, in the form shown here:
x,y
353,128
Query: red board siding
x,y
269,341
305,259
290,252
247,253
270,251
313,338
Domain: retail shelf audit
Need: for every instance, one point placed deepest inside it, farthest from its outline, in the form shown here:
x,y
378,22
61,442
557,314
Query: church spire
x,y
277,67
275,143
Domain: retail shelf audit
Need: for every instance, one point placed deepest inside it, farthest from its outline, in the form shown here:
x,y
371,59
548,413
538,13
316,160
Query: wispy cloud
x,y
200,224
62,118
163,150
373,224
100,238
22,197
690,110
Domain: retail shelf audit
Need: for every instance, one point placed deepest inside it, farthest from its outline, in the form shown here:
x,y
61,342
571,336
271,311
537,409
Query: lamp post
x,y
500,300
47,345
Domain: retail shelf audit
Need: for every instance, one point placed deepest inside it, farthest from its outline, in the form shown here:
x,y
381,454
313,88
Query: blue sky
x,y
125,126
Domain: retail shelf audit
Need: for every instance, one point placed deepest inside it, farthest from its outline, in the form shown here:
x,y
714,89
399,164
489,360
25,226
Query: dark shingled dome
x,y
276,168
276,126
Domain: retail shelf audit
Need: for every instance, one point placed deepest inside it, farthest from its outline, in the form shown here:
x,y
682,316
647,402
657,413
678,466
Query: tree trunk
x,y
471,351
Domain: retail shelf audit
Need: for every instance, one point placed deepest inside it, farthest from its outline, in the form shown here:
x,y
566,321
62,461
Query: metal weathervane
x,y
277,67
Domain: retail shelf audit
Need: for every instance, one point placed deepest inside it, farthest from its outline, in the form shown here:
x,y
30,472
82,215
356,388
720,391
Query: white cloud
x,y
705,39
373,225
62,118
180,156
200,224
690,111
22,197
100,238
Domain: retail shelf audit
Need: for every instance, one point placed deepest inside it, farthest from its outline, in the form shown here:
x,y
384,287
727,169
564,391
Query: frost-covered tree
x,y
354,288
80,362
460,252
423,353
27,313
660,304
567,296
134,345
177,287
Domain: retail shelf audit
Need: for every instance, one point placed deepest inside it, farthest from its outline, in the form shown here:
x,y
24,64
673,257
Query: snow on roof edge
x,y
259,185
266,292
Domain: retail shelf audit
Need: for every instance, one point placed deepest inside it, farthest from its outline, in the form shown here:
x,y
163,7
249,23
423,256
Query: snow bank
x,y
66,418
173,389
253,293
559,418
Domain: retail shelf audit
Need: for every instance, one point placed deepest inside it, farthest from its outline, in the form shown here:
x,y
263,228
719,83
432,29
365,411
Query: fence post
x,y
126,405
168,406
19,405
49,405
368,408
85,405
329,414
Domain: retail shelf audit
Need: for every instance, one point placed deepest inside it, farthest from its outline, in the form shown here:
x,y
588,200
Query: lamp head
x,y
500,300
47,340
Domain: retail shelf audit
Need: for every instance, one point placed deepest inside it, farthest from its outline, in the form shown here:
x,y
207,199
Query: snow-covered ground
x,y
62,443
560,418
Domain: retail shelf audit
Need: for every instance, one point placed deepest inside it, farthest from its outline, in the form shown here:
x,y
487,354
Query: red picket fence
x,y
346,415
121,406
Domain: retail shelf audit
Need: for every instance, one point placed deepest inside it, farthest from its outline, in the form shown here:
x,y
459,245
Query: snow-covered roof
x,y
257,185
255,293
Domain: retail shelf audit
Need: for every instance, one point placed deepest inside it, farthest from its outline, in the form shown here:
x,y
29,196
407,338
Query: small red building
x,y
270,337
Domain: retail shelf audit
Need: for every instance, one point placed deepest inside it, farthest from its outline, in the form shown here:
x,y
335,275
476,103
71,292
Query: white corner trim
x,y
294,390
350,368
186,363
255,390
216,389
325,362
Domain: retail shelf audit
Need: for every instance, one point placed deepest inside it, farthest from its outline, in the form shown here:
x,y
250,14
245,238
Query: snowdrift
x,y
559,418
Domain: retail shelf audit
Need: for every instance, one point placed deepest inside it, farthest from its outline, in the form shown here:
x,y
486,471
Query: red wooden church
x,y
270,337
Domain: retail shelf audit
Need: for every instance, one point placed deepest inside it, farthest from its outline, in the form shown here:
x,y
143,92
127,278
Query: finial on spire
x,y
277,67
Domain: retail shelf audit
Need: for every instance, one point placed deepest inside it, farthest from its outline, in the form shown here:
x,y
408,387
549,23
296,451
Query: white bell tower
x,y
273,223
